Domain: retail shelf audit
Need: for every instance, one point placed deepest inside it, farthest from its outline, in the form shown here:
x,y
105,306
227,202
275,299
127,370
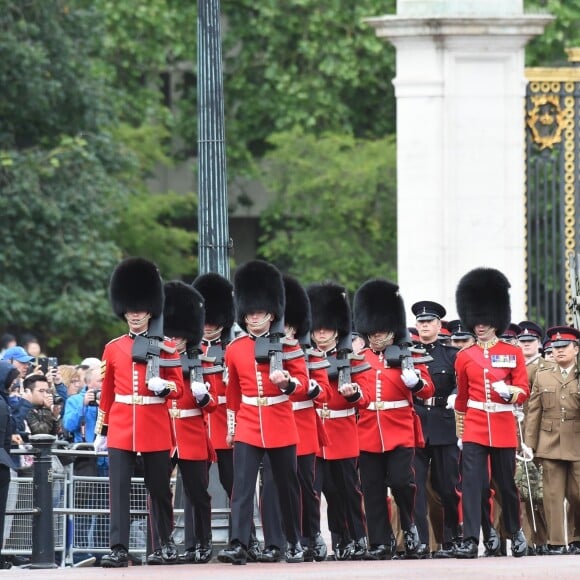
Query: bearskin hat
x,y
378,307
136,286
183,313
297,313
218,293
258,286
330,307
482,297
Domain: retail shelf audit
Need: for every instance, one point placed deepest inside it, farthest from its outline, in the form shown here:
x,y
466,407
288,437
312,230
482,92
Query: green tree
x,y
333,213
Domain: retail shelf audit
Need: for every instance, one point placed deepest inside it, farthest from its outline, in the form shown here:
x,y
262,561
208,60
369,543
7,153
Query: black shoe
x,y
5,564
155,558
344,550
554,550
169,552
492,544
270,554
519,544
234,554
318,547
446,551
411,541
542,550
294,553
379,552
360,549
203,552
531,551
188,557
574,548
254,551
467,549
116,558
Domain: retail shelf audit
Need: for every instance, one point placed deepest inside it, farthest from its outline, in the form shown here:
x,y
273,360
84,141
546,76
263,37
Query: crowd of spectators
x,y
40,396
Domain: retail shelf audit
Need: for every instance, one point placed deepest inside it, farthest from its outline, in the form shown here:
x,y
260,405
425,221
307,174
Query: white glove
x,y
157,385
199,390
100,443
527,453
451,401
502,390
410,378
460,443
312,385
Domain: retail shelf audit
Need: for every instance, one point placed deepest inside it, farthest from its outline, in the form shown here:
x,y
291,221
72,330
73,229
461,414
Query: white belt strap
x,y
182,413
332,414
490,407
139,400
386,405
221,400
264,401
302,405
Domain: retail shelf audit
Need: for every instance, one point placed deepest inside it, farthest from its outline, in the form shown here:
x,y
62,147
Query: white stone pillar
x,y
460,91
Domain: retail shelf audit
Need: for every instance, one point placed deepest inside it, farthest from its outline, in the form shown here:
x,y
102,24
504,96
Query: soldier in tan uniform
x,y
553,432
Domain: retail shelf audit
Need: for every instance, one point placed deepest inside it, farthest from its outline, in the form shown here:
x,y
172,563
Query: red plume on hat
x,y
482,297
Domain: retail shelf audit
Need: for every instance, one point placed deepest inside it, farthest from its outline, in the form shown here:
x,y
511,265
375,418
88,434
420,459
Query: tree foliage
x,y
333,211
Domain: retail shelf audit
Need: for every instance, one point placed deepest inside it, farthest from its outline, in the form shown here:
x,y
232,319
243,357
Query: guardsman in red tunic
x,y
297,318
491,379
133,415
263,373
220,315
388,427
349,378
183,318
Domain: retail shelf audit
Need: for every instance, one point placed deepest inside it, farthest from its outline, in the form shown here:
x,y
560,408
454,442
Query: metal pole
x,y
214,240
42,523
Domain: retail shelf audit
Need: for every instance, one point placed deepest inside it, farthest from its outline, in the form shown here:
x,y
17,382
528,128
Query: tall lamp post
x,y
214,240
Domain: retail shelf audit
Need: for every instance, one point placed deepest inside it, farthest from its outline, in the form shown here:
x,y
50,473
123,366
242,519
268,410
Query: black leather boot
x,y
360,549
155,558
412,542
203,552
379,552
318,547
235,553
294,553
118,557
169,552
519,544
492,544
270,554
467,549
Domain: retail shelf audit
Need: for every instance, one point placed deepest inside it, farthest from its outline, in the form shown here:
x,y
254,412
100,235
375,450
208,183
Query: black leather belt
x,y
431,402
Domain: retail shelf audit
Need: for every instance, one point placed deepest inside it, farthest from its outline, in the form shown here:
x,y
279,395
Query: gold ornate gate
x,y
552,180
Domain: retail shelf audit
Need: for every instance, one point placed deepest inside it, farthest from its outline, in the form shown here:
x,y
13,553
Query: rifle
x,y
269,348
400,354
343,352
148,348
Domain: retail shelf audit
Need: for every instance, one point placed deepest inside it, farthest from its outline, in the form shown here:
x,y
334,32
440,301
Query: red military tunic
x,y
475,375
190,435
249,387
304,407
340,427
216,421
389,420
133,426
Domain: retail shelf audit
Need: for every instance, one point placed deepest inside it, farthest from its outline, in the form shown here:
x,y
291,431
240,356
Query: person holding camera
x,y
79,420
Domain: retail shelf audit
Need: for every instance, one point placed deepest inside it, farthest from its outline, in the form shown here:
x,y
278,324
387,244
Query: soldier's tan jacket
x,y
553,414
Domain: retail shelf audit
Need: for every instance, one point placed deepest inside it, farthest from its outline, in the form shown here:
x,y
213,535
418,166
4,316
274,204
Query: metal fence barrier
x,y
79,508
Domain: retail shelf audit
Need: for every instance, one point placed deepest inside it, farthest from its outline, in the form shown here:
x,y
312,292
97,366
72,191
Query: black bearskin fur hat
x,y
258,286
378,307
330,308
482,297
183,313
297,313
136,285
218,293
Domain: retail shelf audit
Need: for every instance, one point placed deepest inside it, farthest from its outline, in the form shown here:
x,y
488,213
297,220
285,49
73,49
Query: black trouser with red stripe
x,y
247,459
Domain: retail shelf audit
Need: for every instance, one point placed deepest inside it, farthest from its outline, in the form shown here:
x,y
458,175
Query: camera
x,y
95,403
46,363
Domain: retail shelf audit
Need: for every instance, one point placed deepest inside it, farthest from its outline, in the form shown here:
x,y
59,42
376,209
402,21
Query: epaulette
x,y
353,356
243,335
116,339
546,366
289,341
213,370
205,358
292,354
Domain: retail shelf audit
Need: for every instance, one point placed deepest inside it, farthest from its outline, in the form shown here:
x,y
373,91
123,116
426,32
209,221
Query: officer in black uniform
x,y
440,454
